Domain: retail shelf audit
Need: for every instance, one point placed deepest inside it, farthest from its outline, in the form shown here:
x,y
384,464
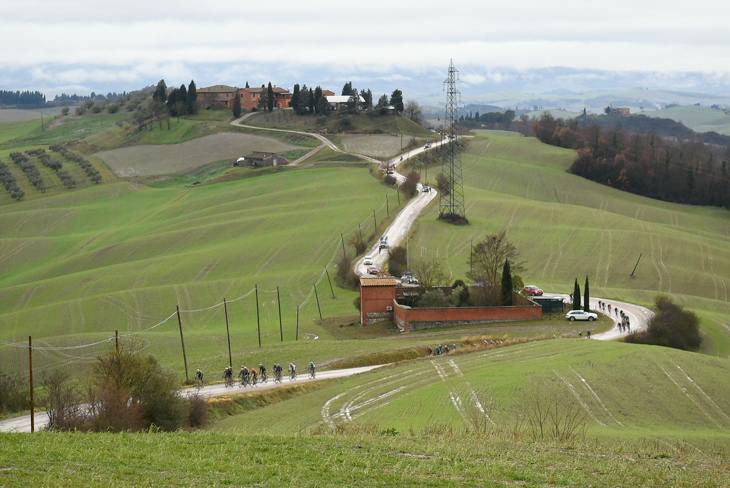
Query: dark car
x,y
373,270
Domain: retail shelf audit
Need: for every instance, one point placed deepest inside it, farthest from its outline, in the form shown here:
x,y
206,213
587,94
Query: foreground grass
x,y
440,457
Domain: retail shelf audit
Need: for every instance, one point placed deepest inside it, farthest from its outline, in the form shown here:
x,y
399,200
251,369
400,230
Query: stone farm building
x,y
223,96
258,159
380,297
217,96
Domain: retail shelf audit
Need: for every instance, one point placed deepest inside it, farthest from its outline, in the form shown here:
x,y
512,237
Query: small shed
x,y
258,159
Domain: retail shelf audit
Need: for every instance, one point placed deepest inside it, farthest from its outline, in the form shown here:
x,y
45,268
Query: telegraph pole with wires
x,y
451,203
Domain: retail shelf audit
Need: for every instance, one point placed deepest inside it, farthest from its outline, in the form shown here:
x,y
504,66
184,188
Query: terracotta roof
x,y
378,282
217,89
276,89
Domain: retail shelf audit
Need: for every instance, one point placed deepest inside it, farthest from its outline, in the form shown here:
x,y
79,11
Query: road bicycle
x,y
312,373
278,377
293,375
244,381
264,377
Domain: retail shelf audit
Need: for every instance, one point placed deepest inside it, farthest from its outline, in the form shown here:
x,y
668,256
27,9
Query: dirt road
x,y
22,424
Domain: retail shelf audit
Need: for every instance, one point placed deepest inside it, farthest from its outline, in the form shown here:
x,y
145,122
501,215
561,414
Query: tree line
x,y
682,171
489,120
165,104
24,98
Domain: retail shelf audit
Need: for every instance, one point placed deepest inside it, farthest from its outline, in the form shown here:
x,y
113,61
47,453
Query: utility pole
x,y
228,333
281,326
32,396
258,315
182,340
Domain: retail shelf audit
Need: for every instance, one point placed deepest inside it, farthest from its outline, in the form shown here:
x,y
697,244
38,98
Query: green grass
x,y
567,227
363,122
627,392
362,458
692,116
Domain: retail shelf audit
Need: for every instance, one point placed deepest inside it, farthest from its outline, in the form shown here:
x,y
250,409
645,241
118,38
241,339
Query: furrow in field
x,y
455,398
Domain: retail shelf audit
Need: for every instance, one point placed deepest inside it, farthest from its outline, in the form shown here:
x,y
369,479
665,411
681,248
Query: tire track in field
x,y
455,398
708,253
372,401
598,399
345,409
578,397
712,271
472,394
707,397
691,398
653,261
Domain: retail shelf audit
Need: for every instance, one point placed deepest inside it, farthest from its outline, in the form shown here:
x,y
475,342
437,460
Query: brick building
x,y
251,97
379,301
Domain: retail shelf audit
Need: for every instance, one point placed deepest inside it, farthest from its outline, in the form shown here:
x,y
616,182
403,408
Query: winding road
x,y
639,316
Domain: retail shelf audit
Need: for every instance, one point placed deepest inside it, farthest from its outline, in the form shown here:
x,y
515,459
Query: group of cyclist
x,y
253,377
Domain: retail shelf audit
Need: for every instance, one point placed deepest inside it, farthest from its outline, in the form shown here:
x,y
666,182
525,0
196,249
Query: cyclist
x,y
277,372
312,369
244,375
254,377
199,377
262,371
228,376
292,371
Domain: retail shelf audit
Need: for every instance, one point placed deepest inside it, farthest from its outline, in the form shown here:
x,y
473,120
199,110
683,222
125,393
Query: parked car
x,y
409,279
367,261
532,291
581,315
373,270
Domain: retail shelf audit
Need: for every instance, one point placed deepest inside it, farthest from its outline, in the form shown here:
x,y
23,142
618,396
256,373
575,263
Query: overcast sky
x,y
79,45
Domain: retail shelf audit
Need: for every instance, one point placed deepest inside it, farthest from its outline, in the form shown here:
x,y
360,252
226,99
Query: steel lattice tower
x,y
451,203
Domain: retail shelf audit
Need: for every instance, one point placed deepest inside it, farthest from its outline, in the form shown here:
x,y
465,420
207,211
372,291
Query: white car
x,y
581,315
367,261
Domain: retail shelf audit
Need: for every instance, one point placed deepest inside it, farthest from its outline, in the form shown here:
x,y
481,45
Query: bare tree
x,y
486,261
413,111
430,272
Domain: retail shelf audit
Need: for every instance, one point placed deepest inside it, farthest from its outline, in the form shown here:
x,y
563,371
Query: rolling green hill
x,y
699,119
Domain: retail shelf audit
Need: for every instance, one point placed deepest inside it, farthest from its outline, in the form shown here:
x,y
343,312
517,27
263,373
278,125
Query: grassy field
x,y
699,119
364,458
624,392
334,123
380,146
568,227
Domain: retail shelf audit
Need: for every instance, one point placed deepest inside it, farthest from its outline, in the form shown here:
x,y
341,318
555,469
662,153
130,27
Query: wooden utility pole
x,y
375,221
637,263
32,396
387,206
228,333
330,282
316,295
281,326
344,253
297,336
258,315
182,340
116,340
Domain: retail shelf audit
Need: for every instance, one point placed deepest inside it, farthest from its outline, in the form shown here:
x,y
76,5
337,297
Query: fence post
x,y
116,340
228,333
281,326
317,297
344,253
330,282
397,192
375,221
387,206
32,397
297,322
258,315
182,340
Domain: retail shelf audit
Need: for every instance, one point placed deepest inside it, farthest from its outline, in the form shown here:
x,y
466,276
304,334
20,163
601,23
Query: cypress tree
x,y
576,296
237,106
270,98
507,296
192,98
586,298
310,102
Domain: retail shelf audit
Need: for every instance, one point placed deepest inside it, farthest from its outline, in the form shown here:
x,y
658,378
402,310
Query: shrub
x,y
410,186
397,263
133,392
14,394
434,299
62,402
672,326
346,276
390,180
356,303
198,416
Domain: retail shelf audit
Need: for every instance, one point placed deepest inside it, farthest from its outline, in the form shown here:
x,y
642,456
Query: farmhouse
x,y
619,111
216,97
251,97
337,101
258,159
380,301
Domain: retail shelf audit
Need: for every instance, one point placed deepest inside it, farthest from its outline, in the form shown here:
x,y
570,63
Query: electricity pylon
x,y
451,203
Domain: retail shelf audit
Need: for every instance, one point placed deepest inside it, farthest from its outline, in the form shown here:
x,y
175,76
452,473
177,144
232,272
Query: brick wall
x,y
410,319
